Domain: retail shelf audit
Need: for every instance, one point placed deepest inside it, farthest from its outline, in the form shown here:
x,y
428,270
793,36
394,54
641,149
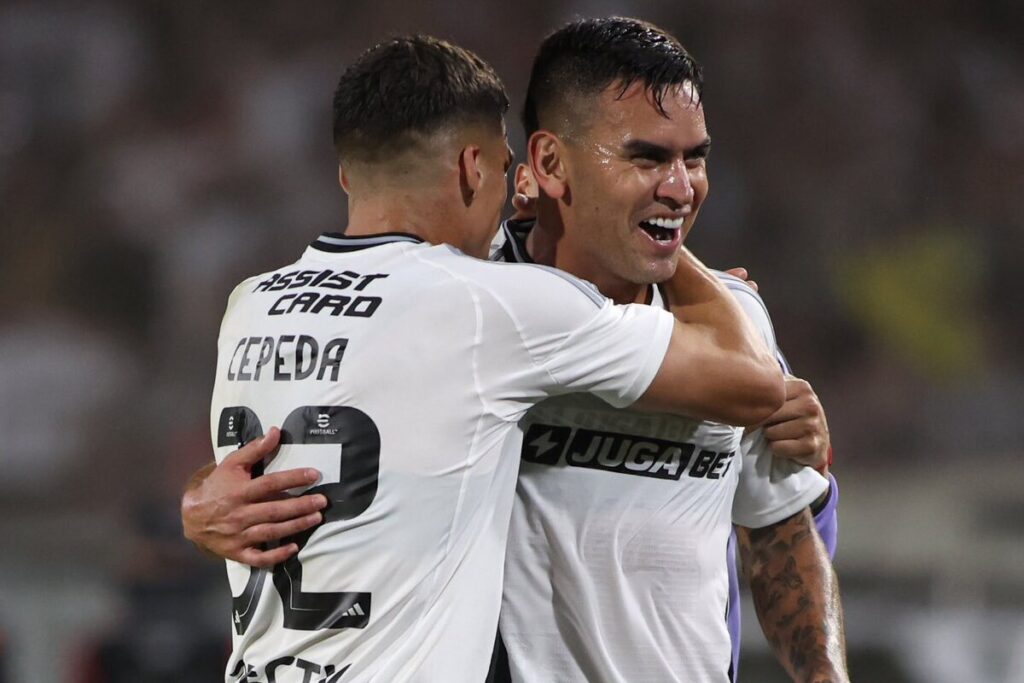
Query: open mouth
x,y
663,230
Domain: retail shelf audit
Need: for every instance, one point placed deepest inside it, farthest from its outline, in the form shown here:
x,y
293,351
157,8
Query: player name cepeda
x,y
285,358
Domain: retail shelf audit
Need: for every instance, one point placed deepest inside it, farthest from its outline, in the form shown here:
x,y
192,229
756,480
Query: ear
x,y
343,179
469,173
546,155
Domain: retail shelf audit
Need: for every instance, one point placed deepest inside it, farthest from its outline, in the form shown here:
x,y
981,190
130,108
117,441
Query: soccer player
x,y
399,368
616,567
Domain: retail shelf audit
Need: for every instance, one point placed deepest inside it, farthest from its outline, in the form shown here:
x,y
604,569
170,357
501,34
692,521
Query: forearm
x,y
796,596
717,354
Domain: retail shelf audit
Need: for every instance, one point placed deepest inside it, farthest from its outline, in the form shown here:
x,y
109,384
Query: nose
x,y
675,187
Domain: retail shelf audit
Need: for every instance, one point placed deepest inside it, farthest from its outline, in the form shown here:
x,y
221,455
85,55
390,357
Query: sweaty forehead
x,y
635,113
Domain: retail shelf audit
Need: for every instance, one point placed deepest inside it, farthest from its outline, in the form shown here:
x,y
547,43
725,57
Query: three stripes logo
x,y
354,611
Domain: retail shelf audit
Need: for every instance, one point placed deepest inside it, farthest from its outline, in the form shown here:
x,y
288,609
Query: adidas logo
x,y
354,611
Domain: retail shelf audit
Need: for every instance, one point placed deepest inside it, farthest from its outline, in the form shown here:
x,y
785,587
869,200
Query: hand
x,y
524,201
742,274
798,430
229,514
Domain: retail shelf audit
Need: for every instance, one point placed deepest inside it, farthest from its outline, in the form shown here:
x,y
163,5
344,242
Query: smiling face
x,y
636,179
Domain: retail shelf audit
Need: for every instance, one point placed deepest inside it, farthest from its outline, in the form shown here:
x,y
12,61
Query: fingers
x,y
801,401
265,533
283,510
801,451
790,429
271,486
741,273
266,558
256,450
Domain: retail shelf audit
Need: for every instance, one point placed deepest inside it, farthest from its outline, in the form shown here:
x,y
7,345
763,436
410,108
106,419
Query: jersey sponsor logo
x,y
287,668
288,357
622,453
322,302
317,278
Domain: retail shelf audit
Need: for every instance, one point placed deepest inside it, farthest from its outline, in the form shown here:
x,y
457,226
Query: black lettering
x,y
702,464
262,287
364,306
266,352
308,668
278,307
283,282
673,460
279,375
337,302
303,302
242,376
305,343
331,358
339,281
330,676
321,277
304,277
231,373
367,279
274,664
722,462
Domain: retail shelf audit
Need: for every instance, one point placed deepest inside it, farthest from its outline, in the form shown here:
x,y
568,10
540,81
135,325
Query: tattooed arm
x,y
797,598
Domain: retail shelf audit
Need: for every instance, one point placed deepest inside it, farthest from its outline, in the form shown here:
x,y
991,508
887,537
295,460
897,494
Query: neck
x,y
413,213
546,244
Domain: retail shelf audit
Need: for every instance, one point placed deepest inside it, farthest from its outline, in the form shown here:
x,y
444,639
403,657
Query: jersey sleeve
x,y
827,518
770,489
576,340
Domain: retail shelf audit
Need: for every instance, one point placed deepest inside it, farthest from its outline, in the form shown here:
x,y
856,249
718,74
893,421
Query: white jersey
x,y
401,370
616,567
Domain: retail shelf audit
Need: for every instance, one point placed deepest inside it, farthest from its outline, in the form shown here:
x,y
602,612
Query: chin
x,y
659,271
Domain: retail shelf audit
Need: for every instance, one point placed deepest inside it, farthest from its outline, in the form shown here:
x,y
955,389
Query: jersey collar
x,y
337,242
513,250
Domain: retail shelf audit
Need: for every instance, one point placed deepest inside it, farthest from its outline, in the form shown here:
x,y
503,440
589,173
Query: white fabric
x,y
455,352
616,566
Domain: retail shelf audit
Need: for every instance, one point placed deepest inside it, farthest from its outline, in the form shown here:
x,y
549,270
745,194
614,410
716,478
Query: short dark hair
x,y
411,86
586,56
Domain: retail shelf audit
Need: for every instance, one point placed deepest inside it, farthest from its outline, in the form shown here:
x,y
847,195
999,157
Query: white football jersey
x,y
401,370
616,566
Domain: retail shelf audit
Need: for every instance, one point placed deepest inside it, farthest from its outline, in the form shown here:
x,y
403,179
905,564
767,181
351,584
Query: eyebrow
x,y
701,151
652,150
643,148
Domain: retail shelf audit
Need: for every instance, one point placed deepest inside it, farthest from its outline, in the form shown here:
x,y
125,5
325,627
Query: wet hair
x,y
409,87
587,56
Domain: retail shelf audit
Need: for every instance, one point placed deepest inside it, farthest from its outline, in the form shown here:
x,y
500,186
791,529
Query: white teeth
x,y
669,223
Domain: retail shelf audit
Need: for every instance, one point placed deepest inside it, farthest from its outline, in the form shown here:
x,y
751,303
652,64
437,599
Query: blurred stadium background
x,y
868,168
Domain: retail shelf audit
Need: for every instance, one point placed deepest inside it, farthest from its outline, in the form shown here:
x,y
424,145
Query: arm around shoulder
x,y
717,367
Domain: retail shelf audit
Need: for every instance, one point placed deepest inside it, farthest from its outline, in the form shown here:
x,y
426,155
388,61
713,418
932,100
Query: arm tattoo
x,y
797,598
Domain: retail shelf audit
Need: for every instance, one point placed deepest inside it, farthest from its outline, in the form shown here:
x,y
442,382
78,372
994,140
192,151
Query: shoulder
x,y
752,303
521,284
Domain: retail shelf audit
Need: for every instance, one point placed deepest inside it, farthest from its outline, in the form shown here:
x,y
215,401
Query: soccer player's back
x,y
399,370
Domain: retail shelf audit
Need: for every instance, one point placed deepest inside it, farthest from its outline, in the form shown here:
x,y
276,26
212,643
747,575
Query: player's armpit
x,y
717,366
226,513
796,595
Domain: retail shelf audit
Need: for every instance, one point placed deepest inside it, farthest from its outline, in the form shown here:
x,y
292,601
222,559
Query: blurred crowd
x,y
867,168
